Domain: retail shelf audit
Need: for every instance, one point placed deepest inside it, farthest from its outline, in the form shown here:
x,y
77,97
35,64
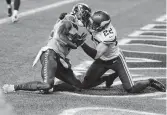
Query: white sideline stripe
x,y
138,34
40,9
162,18
150,27
73,111
118,96
145,52
140,44
143,39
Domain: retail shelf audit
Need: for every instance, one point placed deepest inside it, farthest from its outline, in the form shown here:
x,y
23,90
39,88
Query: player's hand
x,y
78,39
62,15
83,36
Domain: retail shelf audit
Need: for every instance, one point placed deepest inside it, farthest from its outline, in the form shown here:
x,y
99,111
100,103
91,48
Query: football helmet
x,y
100,20
82,12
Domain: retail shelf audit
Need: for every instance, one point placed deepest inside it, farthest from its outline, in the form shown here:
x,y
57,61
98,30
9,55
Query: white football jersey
x,y
109,37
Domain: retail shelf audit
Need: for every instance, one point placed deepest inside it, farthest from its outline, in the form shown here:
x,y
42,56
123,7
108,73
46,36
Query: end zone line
x,y
144,39
151,27
161,19
145,52
143,44
73,111
40,9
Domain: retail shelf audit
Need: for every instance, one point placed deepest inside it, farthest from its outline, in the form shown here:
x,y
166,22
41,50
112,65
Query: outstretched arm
x,y
95,53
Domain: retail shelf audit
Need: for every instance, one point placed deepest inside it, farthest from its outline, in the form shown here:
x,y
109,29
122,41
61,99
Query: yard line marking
x,y
151,27
108,110
40,9
162,18
143,39
132,59
140,44
124,41
161,98
149,68
145,52
139,34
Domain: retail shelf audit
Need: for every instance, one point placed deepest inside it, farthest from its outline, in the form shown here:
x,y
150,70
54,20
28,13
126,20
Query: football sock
x,y
8,2
32,86
16,4
140,86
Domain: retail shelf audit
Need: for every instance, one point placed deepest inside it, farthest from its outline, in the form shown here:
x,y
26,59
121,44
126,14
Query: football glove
x,y
79,39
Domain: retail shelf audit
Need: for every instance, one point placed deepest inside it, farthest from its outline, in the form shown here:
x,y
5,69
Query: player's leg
x,y
93,75
49,66
9,7
67,75
110,79
16,9
123,72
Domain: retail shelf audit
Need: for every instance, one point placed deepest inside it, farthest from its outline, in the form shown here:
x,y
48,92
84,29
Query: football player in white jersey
x,y
53,58
13,13
107,55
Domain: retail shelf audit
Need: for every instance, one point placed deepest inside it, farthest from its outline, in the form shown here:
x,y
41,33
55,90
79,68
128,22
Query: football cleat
x,y
110,79
9,12
157,85
7,88
15,18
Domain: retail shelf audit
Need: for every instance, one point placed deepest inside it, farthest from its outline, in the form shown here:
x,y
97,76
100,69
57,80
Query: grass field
x,y
144,47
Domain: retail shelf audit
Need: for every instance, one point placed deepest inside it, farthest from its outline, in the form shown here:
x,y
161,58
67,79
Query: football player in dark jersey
x,y
53,58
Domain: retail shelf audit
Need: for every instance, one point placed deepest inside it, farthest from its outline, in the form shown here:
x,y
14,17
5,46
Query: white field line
x,y
161,98
162,18
143,39
138,34
40,9
145,52
151,27
140,44
149,68
132,59
108,110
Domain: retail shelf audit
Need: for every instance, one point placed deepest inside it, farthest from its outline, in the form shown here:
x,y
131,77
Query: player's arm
x,y
95,53
64,34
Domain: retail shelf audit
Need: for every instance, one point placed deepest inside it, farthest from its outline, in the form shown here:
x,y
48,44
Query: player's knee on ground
x,y
85,84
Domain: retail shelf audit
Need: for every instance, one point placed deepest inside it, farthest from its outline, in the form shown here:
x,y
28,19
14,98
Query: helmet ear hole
x,y
100,20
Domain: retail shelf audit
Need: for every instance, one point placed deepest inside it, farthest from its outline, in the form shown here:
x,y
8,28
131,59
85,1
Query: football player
x,y
53,58
83,13
13,13
107,55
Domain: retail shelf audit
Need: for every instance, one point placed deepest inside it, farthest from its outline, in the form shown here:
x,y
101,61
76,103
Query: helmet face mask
x,y
82,12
